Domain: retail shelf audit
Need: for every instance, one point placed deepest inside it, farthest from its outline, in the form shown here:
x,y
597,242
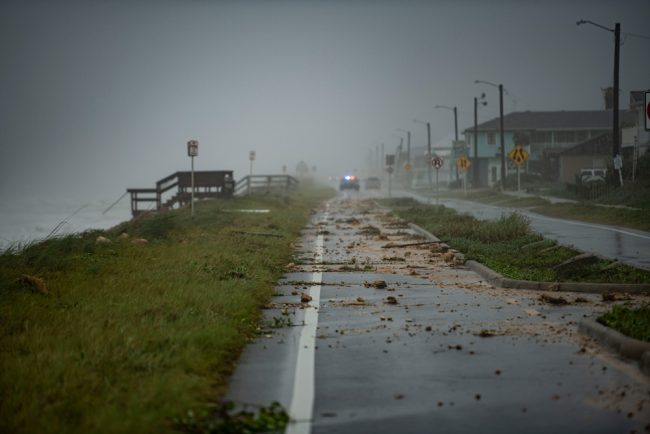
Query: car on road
x,y
373,183
349,182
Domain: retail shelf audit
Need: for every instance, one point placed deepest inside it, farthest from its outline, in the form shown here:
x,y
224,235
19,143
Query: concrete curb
x,y
624,345
497,279
425,233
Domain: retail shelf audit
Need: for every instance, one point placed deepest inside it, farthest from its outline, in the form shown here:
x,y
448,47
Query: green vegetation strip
x,y
131,335
510,247
631,322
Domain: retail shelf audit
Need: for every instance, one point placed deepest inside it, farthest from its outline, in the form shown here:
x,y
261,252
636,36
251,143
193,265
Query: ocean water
x,y
27,220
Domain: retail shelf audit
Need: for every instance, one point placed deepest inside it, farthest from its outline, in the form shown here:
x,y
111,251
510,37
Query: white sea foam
x,y
30,219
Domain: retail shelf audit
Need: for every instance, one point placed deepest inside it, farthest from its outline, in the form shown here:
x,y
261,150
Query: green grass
x,y
631,322
130,337
506,245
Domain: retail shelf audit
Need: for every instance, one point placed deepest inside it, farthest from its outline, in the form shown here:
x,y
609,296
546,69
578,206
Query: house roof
x,y
636,98
553,120
599,145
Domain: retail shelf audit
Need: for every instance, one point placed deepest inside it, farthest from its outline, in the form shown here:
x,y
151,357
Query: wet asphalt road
x,y
453,355
626,245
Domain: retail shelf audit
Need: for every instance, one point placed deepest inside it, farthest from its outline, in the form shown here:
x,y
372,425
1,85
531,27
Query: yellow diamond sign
x,y
518,155
462,163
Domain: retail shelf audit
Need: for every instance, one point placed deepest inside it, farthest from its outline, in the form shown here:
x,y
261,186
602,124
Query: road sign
x,y
618,162
518,155
462,163
647,111
408,167
389,169
192,148
437,162
251,155
390,159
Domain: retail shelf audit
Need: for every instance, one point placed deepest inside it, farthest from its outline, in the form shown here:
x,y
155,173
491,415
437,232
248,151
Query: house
x,y
634,136
594,153
544,135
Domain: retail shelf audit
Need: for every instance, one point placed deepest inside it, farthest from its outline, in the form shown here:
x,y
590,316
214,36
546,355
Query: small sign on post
x,y
437,163
192,151
647,110
390,161
518,155
251,157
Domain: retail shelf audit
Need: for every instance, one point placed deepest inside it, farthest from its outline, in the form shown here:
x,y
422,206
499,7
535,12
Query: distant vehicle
x,y
592,176
349,182
373,183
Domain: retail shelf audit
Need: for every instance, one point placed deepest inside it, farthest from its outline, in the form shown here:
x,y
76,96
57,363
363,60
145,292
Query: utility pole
x,y
616,139
429,152
408,147
503,148
475,171
617,135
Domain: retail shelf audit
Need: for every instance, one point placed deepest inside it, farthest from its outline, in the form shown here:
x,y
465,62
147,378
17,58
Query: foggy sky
x,y
97,96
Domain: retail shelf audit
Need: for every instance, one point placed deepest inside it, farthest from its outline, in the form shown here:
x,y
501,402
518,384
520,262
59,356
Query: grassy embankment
x,y
631,322
509,246
584,211
125,337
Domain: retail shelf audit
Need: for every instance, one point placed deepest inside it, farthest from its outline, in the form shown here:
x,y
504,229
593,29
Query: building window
x,y
491,139
581,136
565,137
541,137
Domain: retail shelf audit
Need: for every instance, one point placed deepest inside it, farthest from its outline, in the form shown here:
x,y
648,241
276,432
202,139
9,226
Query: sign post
x,y
192,151
463,164
647,110
437,163
390,160
251,157
519,156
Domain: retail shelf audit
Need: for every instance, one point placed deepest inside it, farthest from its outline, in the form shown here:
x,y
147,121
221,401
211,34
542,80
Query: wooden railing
x,y
207,184
264,183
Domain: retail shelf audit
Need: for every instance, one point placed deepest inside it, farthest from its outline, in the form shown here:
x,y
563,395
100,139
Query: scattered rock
x,y
550,299
486,333
124,235
139,242
102,240
391,300
305,298
379,284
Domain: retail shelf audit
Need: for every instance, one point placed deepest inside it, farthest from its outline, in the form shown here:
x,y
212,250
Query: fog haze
x,y
97,96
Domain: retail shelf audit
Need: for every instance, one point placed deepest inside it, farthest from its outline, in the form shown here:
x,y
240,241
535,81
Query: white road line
x,y
302,402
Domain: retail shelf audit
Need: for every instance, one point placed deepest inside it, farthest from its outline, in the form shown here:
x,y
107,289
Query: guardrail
x,y
264,183
207,184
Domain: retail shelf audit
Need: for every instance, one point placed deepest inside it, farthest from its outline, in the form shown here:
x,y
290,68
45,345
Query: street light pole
x,y
455,129
475,171
503,152
616,139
